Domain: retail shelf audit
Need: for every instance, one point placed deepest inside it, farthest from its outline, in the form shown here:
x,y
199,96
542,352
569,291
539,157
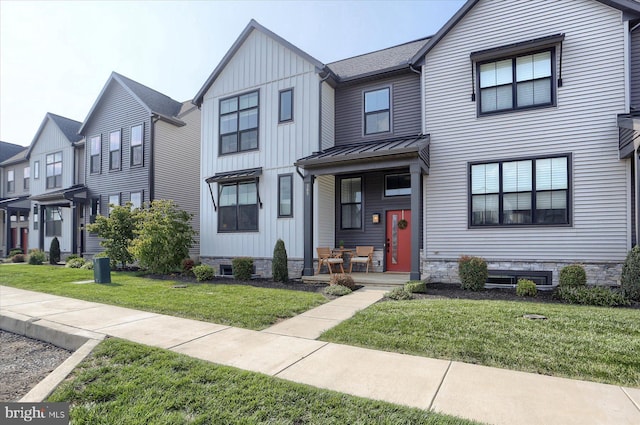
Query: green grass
x,y
590,343
235,305
127,383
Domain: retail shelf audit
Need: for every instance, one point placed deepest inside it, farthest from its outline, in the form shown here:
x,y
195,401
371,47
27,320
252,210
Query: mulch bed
x,y
294,285
452,290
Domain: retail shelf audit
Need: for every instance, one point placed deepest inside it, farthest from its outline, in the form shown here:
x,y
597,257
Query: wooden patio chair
x,y
325,257
364,255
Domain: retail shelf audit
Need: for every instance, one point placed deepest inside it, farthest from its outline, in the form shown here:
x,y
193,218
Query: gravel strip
x,y
24,362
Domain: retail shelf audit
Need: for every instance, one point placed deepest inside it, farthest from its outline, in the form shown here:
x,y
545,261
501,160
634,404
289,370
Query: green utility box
x,y
101,270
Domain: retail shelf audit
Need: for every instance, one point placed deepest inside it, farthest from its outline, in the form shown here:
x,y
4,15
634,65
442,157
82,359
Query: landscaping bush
x,y
54,251
87,266
279,268
590,295
573,275
203,272
416,287
337,290
15,251
242,268
630,279
75,263
37,257
71,257
342,280
116,232
17,258
398,294
526,288
187,266
473,272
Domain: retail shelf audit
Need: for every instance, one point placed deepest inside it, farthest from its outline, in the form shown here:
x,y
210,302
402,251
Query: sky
x,y
56,56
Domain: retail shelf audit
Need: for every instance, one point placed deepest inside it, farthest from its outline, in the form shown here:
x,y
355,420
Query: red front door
x,y
398,240
14,238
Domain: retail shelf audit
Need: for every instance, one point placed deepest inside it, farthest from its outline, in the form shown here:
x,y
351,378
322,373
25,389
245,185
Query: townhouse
x,y
14,189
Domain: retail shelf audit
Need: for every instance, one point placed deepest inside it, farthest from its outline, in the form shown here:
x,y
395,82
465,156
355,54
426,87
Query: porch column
x,y
41,229
308,224
416,209
74,228
7,217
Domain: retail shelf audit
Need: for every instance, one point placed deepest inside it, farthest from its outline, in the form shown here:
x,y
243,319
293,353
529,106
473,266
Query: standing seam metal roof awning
x,y
234,176
20,203
73,194
628,135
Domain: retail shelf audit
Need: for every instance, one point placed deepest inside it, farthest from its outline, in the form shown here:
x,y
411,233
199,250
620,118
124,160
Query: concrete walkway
x,y
289,351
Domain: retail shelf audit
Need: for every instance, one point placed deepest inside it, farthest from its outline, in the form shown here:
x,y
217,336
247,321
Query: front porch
x,y
361,278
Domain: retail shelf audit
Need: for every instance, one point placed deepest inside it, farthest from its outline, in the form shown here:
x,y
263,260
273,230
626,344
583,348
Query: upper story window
x,y
36,169
115,146
11,181
397,185
26,177
517,82
137,137
94,152
286,106
239,123
54,170
238,206
531,191
351,203
377,112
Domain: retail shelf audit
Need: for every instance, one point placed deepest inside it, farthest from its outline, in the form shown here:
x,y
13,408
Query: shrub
x,y
526,288
87,266
416,287
590,295
187,265
54,251
71,257
163,237
630,279
337,290
242,268
279,268
75,263
37,257
398,294
203,272
473,272
17,258
573,275
342,280
116,232
15,251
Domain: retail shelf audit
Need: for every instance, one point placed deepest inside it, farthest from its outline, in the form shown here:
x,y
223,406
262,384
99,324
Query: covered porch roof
x,y
19,203
629,134
62,197
392,153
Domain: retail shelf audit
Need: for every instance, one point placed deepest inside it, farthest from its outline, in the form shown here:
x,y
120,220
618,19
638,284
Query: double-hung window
x,y
54,170
94,154
53,221
377,112
239,123
285,195
137,138
115,149
26,177
285,113
114,201
517,82
238,206
11,181
136,199
351,203
532,191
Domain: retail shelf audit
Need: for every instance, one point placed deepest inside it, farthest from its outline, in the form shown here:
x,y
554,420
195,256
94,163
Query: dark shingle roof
x,y
9,150
68,126
376,62
154,100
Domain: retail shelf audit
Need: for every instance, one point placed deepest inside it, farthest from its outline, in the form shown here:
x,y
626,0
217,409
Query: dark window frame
x,y
94,209
11,182
534,191
53,227
343,204
377,111
237,206
394,175
280,193
95,167
26,176
138,146
514,82
109,203
112,151
141,193
238,132
57,178
36,170
36,217
280,93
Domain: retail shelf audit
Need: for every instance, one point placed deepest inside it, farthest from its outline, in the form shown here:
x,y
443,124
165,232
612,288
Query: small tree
x,y
164,236
54,251
279,267
117,231
630,278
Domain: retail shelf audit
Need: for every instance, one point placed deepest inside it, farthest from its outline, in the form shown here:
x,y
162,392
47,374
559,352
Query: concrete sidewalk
x,y
288,350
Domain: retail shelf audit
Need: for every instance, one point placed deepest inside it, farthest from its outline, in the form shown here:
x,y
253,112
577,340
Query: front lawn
x,y
236,305
127,383
590,343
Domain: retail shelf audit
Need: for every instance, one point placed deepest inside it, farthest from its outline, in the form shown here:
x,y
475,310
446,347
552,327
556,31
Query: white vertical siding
x,y
265,65
325,225
583,123
51,140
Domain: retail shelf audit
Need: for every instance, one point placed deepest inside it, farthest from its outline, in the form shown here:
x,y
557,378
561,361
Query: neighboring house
x,y
14,191
138,149
522,102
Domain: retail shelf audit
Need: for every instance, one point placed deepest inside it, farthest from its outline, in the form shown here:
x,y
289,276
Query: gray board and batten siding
x,y
635,70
